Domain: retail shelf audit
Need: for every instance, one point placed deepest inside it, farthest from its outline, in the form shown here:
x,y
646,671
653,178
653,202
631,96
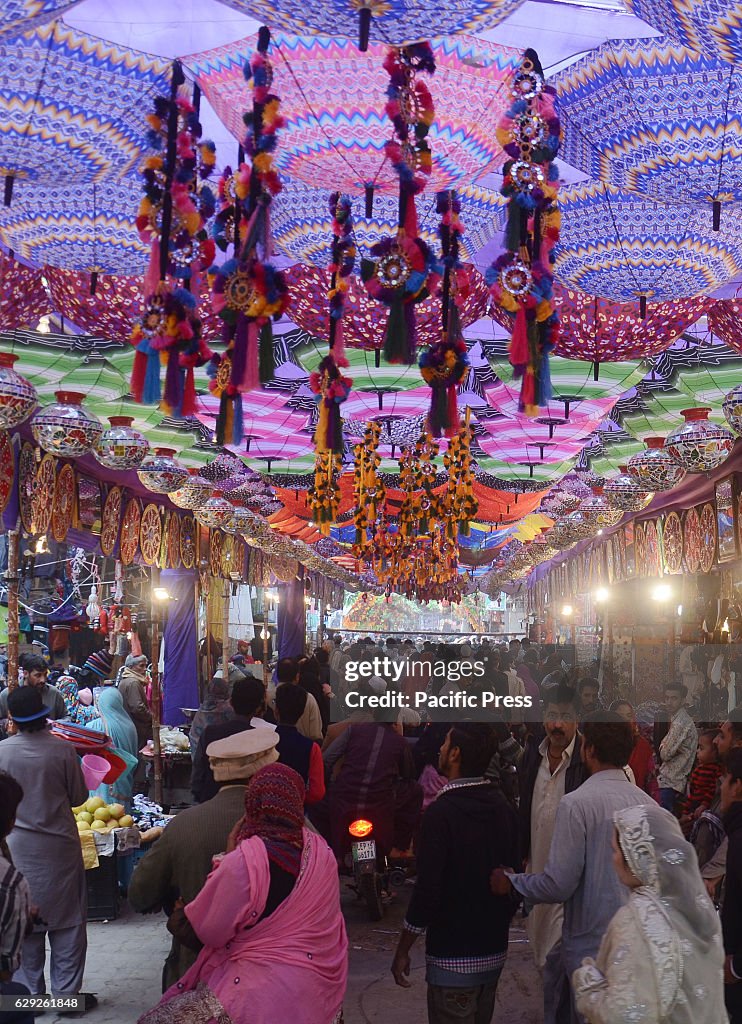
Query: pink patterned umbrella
x,y
364,325
23,298
599,331
265,415
333,98
725,321
117,303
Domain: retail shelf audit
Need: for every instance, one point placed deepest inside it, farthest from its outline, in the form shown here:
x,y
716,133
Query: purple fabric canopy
x,y
181,646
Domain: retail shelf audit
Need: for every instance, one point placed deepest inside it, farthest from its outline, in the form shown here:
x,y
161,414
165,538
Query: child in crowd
x,y
703,780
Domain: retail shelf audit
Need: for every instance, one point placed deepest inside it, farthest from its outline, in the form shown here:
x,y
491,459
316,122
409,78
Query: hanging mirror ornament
x,y
699,446
18,396
215,512
579,527
64,428
597,510
655,469
120,446
625,493
162,473
194,493
733,409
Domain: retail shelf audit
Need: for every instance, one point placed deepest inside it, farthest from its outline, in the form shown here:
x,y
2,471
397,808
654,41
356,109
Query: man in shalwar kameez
x,y
45,845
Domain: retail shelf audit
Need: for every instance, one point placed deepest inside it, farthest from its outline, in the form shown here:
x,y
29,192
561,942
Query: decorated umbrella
x,y
600,331
626,247
397,22
365,322
657,119
115,307
300,221
265,418
71,105
23,298
333,100
87,227
702,25
725,321
17,17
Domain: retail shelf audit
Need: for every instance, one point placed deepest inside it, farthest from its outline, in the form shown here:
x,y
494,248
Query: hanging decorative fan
x,y
110,521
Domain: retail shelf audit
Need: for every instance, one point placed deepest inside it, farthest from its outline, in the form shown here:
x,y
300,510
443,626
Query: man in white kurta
x,y
45,847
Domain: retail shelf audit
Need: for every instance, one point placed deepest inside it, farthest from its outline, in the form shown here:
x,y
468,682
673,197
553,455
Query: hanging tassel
x,y
239,351
267,362
519,339
138,374
452,416
528,392
237,431
223,425
251,378
189,405
396,342
173,395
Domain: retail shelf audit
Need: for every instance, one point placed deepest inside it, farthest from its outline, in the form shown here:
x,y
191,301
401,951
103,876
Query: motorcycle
x,y
373,875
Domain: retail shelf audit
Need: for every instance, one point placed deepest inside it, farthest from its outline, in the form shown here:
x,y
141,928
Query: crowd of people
x,y
616,831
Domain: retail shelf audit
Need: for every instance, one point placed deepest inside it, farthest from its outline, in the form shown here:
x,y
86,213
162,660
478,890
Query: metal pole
x,y
11,578
225,631
266,637
156,711
320,623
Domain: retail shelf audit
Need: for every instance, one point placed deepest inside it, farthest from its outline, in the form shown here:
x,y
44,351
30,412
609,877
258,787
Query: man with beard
x,y
35,673
708,836
547,771
579,871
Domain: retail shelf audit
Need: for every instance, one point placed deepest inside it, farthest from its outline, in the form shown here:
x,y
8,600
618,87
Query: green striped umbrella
x,y
574,378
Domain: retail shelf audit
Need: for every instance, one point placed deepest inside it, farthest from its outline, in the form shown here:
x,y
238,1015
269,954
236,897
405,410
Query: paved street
x,y
125,958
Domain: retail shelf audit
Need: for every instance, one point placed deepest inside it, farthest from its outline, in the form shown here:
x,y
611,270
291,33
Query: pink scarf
x,y
290,966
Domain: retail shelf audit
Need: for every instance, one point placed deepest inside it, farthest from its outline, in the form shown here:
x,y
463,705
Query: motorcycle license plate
x,y
365,850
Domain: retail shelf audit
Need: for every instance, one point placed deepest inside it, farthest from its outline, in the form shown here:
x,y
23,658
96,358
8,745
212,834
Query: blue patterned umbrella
x,y
20,16
72,107
396,22
302,226
711,26
625,247
658,119
85,227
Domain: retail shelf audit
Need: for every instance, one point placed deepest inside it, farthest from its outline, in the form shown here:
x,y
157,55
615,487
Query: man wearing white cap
x,y
180,861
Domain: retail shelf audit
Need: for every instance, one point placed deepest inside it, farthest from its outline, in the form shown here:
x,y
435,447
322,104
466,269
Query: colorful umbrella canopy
x,y
71,107
365,319
703,25
302,226
654,118
77,226
600,331
18,17
117,303
332,99
395,22
23,298
725,321
621,246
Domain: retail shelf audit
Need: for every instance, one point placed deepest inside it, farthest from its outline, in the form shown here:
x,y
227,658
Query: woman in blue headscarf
x,y
115,722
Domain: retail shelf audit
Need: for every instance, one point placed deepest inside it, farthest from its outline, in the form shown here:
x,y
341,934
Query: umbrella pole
x,y
156,712
11,578
225,631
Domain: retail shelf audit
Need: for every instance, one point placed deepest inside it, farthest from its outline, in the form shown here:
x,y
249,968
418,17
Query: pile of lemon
x,y
95,815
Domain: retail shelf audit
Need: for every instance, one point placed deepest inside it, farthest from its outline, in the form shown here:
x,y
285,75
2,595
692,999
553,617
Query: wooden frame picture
x,y
725,519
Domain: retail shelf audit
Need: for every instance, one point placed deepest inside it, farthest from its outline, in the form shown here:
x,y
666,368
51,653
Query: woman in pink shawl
x,y
275,947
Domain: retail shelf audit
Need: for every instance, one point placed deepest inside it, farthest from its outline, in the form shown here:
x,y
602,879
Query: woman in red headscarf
x,y
275,947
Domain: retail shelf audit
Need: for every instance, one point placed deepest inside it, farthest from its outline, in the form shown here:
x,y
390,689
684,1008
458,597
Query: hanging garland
x,y
172,220
323,496
404,270
444,364
521,279
248,291
461,504
369,492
